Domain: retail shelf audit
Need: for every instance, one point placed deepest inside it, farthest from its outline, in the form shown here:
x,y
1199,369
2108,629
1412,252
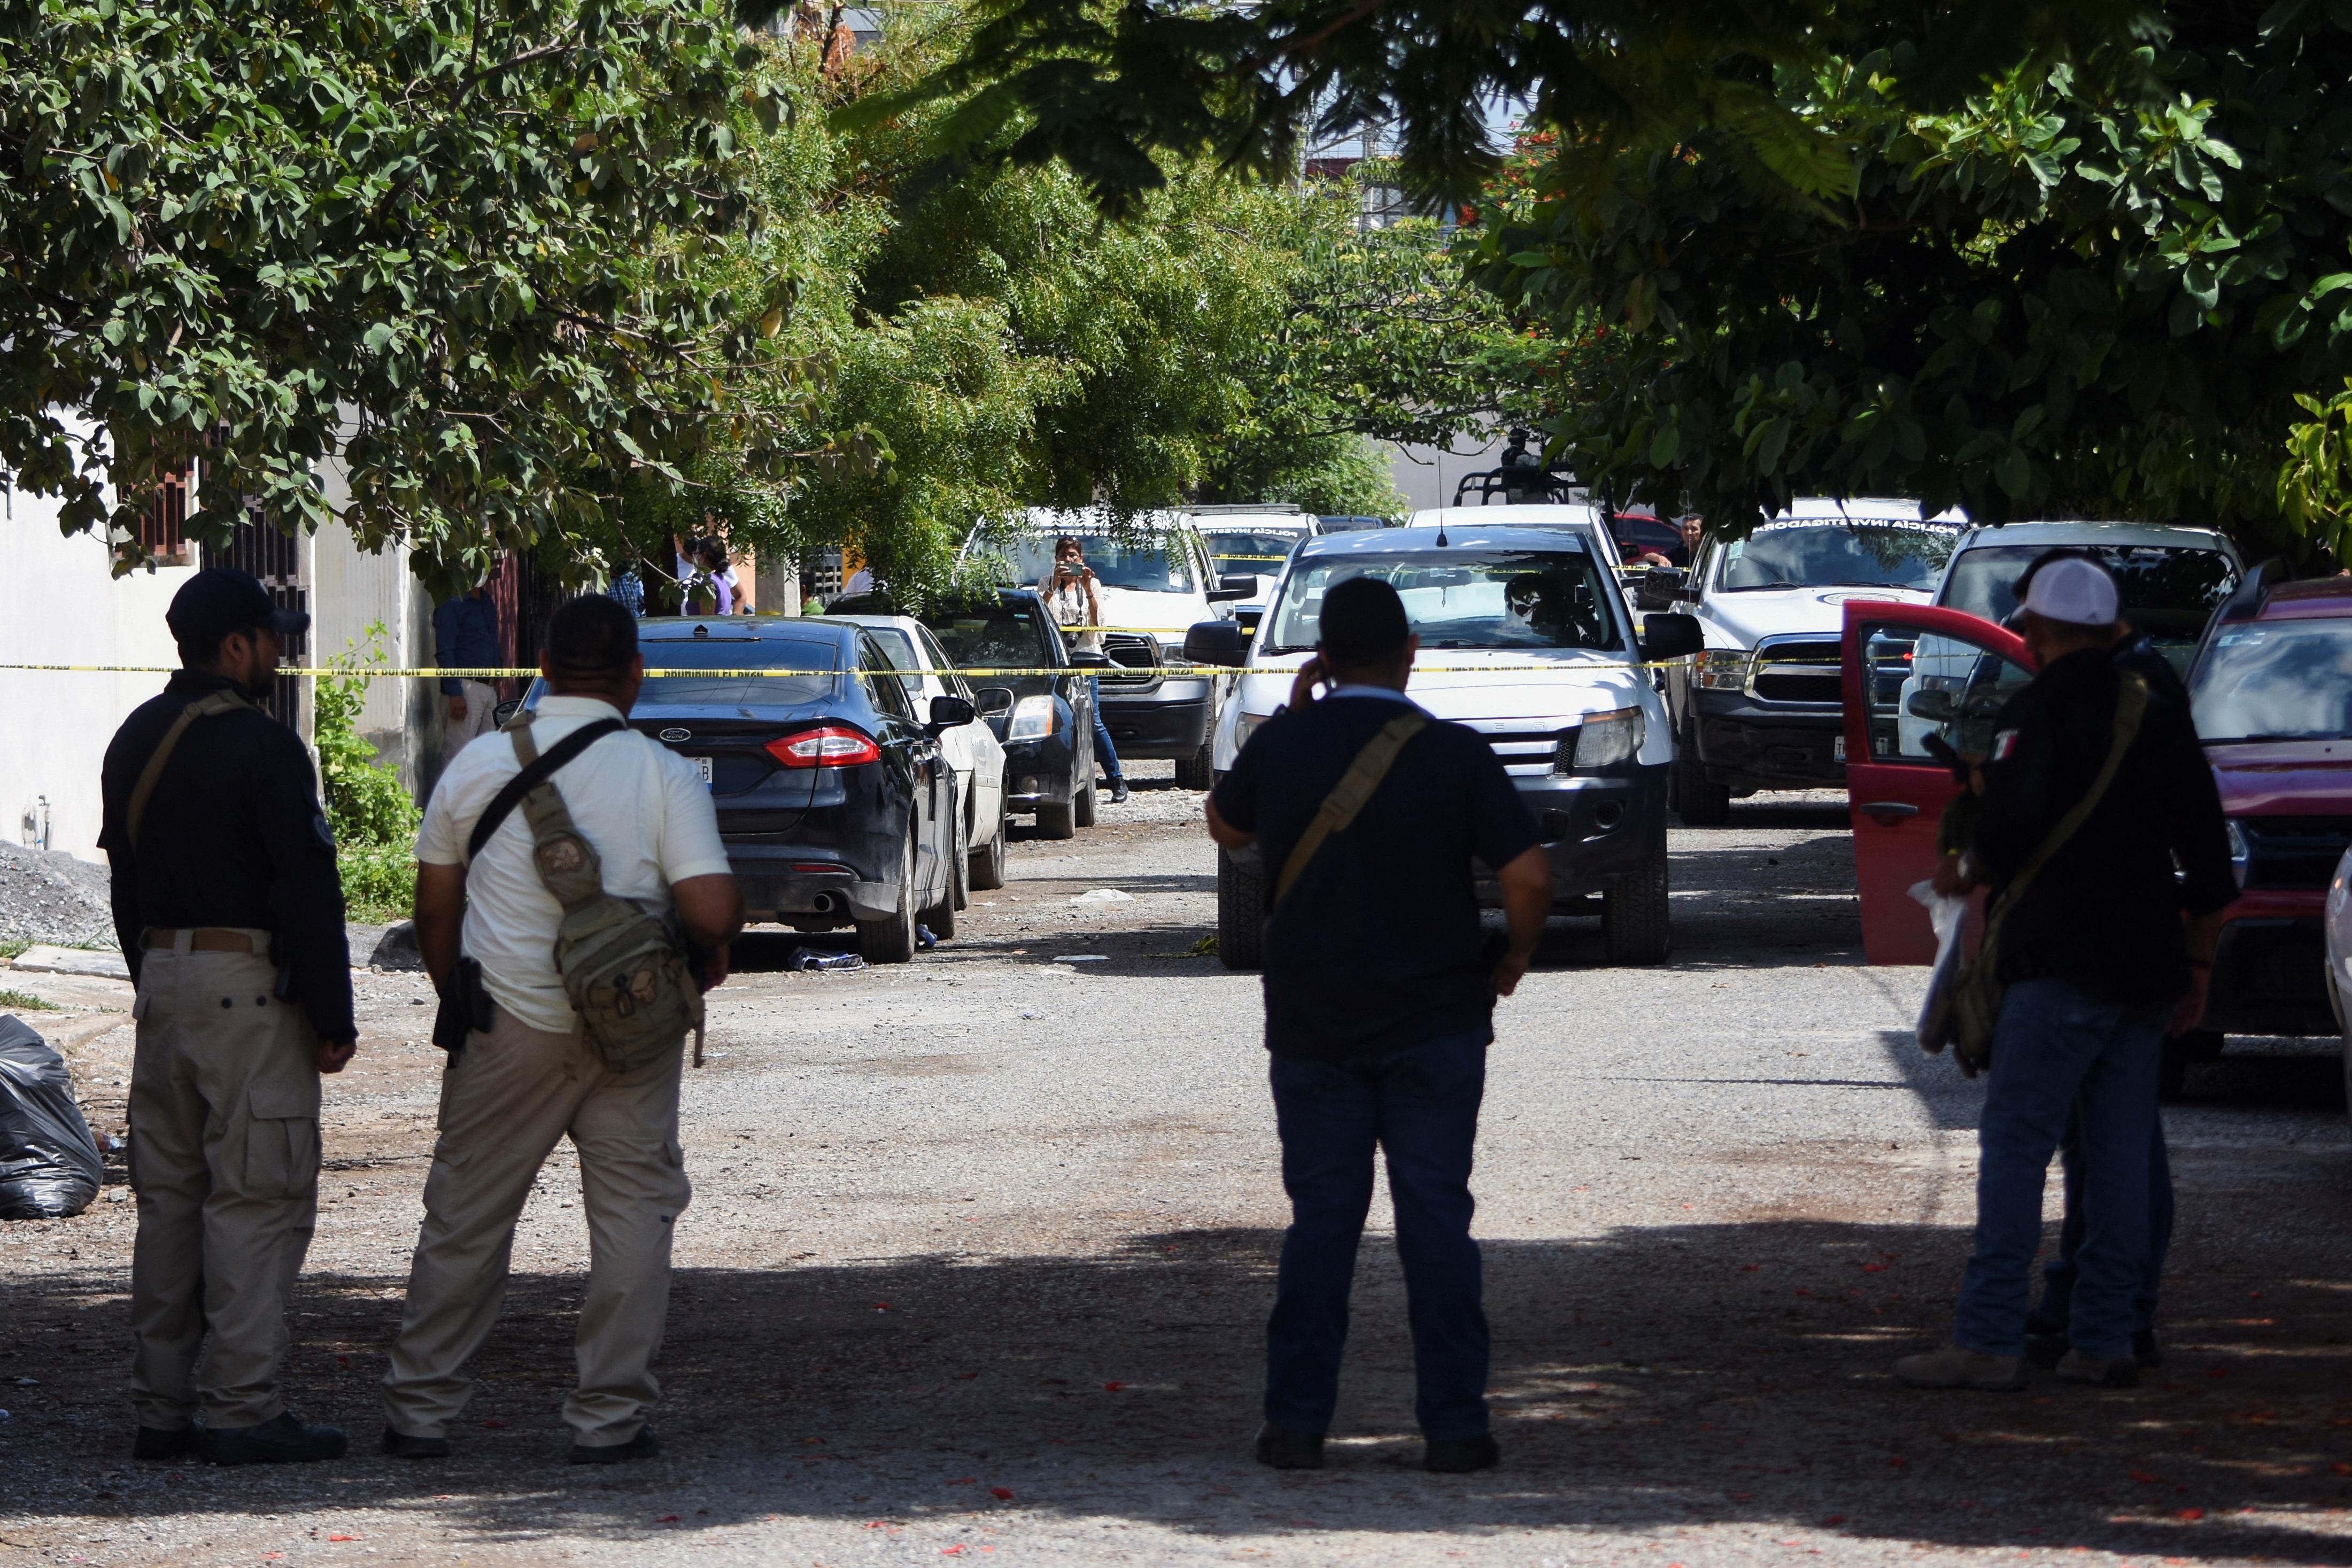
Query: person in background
x,y
466,637
1073,594
1378,1028
629,589
2108,948
1684,552
811,605
230,912
531,1079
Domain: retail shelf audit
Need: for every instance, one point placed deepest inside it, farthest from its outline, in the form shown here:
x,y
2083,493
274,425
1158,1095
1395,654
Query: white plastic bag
x,y
1948,915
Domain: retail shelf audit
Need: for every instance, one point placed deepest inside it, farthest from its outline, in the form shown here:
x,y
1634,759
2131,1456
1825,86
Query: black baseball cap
x,y
221,600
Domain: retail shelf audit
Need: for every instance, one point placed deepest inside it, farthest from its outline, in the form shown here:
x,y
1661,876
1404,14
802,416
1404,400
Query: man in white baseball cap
x,y
2095,789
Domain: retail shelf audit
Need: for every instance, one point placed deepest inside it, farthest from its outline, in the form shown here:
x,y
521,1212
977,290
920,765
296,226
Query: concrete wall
x,y
351,591
1427,475
60,605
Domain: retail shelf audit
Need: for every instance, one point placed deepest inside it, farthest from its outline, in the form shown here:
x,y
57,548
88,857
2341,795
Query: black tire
x,y
1082,806
988,860
1198,772
942,916
1055,822
891,939
1700,802
1636,922
1240,916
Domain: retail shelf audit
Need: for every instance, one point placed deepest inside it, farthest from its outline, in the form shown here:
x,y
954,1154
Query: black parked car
x,y
1046,722
835,802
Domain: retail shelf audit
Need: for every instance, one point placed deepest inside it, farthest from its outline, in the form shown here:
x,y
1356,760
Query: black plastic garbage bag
x,y
49,1164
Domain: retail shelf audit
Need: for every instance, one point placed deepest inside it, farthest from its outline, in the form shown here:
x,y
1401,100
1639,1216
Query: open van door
x,y
1912,670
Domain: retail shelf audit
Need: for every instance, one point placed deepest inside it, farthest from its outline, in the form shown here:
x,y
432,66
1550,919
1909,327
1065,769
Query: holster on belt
x,y
464,1006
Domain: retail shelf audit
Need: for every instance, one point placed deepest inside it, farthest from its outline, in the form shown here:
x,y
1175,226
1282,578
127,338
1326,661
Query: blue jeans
x,y
1105,753
1422,1107
2051,1313
2055,1050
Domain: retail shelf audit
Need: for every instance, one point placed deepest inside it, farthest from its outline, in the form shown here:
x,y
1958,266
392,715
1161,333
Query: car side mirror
x,y
1242,582
1227,595
1654,590
947,713
505,711
1088,659
989,701
1223,642
1671,637
1936,707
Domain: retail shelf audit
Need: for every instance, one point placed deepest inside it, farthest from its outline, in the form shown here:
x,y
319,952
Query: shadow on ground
x,y
1649,1379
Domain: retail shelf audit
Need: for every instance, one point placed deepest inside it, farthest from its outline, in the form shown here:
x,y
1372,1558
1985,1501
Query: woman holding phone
x,y
1074,595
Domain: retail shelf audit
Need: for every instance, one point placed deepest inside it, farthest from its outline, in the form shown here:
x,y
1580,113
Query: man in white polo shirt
x,y
530,1079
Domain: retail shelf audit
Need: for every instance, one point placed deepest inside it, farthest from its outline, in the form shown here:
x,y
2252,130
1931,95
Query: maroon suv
x,y
2271,690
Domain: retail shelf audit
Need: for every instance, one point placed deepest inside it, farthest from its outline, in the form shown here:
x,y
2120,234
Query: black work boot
x,y
644,1446
166,1442
1288,1450
1118,791
1455,1459
401,1446
284,1441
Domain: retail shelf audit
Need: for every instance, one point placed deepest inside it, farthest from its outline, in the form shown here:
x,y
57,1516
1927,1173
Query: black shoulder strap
x,y
533,774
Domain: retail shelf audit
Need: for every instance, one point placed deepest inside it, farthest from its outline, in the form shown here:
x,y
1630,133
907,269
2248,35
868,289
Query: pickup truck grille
x,y
2293,851
1798,670
1134,658
1525,747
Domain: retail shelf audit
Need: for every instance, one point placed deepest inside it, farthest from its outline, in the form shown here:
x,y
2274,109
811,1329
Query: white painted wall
x,y
60,605
350,592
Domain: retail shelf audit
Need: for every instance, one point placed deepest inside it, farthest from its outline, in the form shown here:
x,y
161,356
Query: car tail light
x,y
833,746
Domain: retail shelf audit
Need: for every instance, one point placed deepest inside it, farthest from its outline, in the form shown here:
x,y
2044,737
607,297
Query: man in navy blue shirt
x,y
466,637
1379,1002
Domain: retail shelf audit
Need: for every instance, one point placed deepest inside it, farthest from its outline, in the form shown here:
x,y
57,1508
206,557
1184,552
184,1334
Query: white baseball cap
x,y
2077,592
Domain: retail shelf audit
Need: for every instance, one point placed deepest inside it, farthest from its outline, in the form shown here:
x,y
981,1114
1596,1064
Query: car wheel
x,y
891,939
988,860
1055,822
1082,806
960,866
1198,770
1240,916
1699,801
942,916
1635,922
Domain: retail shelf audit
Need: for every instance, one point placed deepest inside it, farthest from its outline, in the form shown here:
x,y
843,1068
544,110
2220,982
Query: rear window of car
x,y
990,636
2163,588
736,672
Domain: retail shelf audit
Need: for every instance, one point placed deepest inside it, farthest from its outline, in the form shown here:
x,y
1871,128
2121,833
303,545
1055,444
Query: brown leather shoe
x,y
1957,1367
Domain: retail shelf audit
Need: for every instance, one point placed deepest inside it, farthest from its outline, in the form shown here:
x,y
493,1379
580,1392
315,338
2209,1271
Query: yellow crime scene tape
x,y
772,672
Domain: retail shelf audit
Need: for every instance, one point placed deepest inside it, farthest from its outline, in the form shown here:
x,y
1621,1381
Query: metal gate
x,y
277,559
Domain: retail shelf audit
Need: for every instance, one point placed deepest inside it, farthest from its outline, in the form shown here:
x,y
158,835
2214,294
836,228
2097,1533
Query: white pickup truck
x,y
1584,734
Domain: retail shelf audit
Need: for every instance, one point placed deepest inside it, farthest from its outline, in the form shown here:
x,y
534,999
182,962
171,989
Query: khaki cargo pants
x,y
506,1100
224,1159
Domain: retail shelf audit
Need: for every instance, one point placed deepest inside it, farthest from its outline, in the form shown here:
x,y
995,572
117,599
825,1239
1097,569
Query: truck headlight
x,y
1602,738
1032,719
1725,669
1248,727
2240,854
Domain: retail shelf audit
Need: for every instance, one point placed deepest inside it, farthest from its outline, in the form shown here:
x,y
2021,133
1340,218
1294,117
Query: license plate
x,y
703,763
1837,751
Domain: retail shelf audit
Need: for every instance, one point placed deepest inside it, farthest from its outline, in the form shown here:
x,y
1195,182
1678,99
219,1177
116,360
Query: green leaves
x,y
443,241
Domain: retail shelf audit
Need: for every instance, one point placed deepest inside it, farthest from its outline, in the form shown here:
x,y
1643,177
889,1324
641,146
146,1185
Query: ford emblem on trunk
x,y
678,735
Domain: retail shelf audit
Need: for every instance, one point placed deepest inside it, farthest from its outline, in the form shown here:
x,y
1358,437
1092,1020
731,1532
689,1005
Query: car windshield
x,y
2274,680
1251,552
2166,592
1464,598
900,650
1838,555
1142,565
791,672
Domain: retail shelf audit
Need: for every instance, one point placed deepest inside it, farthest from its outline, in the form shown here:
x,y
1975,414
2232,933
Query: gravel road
x,y
981,1248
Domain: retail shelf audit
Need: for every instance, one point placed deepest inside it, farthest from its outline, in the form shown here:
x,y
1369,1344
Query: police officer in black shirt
x,y
2104,951
231,918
